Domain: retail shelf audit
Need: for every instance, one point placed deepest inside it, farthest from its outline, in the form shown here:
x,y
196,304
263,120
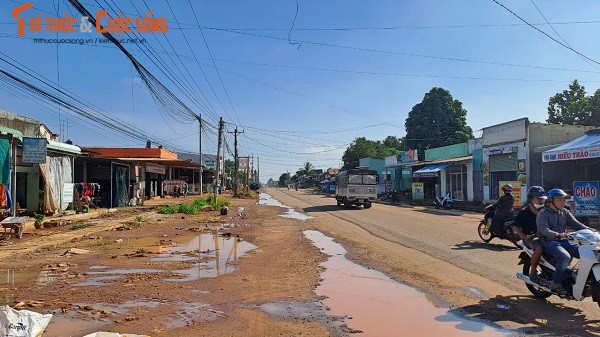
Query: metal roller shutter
x,y
503,162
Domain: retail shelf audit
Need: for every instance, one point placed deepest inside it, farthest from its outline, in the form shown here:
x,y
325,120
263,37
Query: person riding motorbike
x,y
552,222
525,226
503,209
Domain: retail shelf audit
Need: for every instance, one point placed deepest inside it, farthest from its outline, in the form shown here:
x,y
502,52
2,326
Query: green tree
x,y
307,171
594,118
362,148
284,179
394,142
572,106
439,120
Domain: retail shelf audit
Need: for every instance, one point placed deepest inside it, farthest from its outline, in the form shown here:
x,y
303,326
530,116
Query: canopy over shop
x,y
581,159
452,176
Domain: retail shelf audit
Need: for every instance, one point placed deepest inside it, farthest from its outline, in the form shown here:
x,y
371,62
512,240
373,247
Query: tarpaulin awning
x,y
430,170
584,147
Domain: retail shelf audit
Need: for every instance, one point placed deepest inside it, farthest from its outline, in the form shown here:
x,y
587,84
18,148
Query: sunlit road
x,y
448,237
453,239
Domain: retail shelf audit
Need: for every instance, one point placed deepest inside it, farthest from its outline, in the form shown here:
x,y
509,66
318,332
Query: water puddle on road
x,y
266,199
10,279
220,251
380,306
210,255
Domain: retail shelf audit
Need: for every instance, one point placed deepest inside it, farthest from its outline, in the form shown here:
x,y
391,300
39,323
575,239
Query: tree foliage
x,y
284,179
362,148
573,107
439,120
307,171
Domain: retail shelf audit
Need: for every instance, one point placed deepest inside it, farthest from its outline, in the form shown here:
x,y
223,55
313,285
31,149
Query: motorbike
x,y
391,196
443,201
507,233
584,278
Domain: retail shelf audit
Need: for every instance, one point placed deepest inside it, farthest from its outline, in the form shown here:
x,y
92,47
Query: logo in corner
x,y
21,21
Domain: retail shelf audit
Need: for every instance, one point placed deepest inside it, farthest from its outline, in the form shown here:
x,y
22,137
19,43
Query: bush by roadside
x,y
196,206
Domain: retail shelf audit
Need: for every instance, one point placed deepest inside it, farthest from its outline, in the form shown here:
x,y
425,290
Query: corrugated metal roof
x,y
63,147
6,130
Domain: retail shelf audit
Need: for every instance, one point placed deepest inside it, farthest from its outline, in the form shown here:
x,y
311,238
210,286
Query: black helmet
x,y
536,192
507,188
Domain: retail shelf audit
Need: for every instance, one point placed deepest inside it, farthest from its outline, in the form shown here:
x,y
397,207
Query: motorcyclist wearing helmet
x,y
503,209
552,222
526,228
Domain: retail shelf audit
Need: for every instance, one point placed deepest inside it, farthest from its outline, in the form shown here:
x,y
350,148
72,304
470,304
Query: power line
x,y
364,72
213,61
557,34
546,34
392,28
381,51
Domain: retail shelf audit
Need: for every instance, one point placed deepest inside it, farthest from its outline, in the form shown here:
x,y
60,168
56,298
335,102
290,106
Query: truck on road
x,y
356,187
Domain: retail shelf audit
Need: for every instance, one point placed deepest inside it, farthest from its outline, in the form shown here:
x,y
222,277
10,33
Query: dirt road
x,y
254,273
443,255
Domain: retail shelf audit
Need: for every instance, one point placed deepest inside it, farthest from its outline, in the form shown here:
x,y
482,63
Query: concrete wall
x,y
29,127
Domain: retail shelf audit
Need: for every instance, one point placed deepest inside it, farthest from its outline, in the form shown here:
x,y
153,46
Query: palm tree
x,y
307,170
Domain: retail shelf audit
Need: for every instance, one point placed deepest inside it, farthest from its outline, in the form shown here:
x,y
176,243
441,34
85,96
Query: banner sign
x,y
156,168
516,191
418,191
587,153
411,155
210,164
34,150
585,195
243,163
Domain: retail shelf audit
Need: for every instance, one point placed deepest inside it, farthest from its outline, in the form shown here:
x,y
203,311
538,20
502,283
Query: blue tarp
x,y
584,147
431,170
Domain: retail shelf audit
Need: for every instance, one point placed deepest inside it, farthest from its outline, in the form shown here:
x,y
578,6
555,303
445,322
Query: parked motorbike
x,y
584,280
391,196
443,201
485,231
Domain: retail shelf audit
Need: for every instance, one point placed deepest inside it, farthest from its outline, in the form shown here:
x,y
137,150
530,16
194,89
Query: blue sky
x,y
308,101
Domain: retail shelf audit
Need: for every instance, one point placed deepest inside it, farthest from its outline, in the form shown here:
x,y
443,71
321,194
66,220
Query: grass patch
x,y
80,226
246,195
139,218
195,207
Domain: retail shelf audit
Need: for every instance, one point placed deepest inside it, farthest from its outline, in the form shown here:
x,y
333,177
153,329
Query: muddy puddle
x,y
380,306
88,318
11,279
209,255
291,213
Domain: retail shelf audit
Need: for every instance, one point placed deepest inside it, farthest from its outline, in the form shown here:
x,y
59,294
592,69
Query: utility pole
x,y
236,161
218,163
247,173
223,174
252,170
258,169
199,117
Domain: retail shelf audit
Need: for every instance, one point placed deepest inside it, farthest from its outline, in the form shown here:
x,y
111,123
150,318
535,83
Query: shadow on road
x,y
439,212
328,208
482,245
542,317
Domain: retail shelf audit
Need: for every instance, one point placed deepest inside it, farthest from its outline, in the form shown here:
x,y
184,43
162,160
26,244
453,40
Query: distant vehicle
x,y
254,186
356,187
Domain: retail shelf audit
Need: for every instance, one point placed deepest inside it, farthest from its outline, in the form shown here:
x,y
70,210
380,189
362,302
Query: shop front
x,y
581,159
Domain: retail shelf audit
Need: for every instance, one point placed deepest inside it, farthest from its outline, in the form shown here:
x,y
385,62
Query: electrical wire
x,y
546,34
